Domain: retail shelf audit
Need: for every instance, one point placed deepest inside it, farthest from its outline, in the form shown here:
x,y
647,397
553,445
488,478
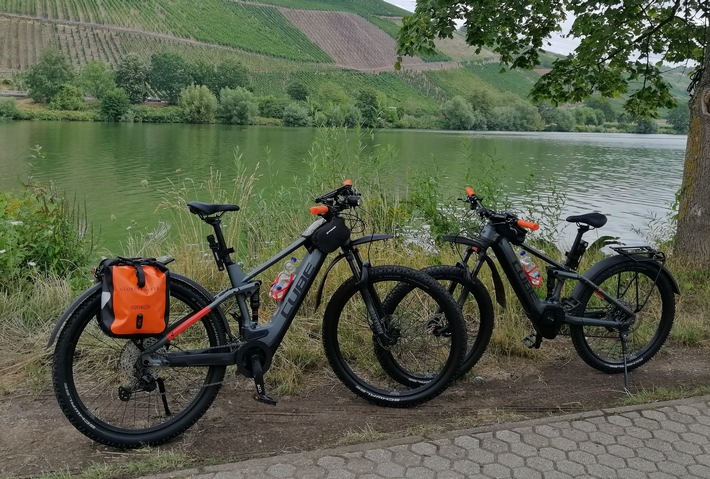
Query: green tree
x,y
114,104
96,79
198,104
646,126
679,118
297,91
617,38
237,106
458,114
69,97
132,76
603,105
46,78
295,114
169,74
229,74
271,107
370,103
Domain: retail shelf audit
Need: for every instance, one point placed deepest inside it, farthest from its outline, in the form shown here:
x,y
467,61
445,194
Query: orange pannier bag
x,y
135,296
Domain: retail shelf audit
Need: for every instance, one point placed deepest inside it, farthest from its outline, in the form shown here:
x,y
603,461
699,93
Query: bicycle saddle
x,y
595,220
197,207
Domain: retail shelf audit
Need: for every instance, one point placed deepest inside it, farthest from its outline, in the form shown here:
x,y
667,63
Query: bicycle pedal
x,y
532,341
266,399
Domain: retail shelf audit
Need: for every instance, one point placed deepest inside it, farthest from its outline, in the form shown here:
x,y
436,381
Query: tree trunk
x,y
693,236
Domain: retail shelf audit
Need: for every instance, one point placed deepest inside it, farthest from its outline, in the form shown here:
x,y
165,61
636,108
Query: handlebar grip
x,y
469,191
348,183
319,210
529,225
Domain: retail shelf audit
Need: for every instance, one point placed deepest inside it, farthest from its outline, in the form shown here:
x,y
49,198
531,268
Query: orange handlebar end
x,y
348,183
529,225
469,191
319,210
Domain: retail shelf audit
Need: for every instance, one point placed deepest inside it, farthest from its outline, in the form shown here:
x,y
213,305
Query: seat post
x,y
219,245
574,255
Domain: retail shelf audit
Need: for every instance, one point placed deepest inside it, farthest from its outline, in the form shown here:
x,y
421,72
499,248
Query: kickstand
x,y
623,337
259,382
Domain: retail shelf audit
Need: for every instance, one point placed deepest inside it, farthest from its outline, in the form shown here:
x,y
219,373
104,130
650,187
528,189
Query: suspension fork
x,y
375,308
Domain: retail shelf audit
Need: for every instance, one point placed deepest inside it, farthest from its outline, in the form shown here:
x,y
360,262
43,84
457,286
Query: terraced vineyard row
x,y
361,7
249,27
22,41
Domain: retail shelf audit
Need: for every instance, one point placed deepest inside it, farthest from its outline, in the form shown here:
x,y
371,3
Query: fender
x,y
580,288
478,245
207,297
358,241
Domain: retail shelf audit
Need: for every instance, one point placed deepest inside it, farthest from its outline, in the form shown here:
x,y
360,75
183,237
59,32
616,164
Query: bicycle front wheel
x,y
639,286
427,331
109,396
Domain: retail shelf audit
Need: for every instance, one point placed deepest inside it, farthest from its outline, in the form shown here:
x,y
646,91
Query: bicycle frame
x,y
533,306
270,334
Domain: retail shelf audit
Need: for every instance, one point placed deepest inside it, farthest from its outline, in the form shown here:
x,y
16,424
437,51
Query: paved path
x,y
662,440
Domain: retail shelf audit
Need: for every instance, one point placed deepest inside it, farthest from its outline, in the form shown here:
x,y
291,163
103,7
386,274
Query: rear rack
x,y
647,253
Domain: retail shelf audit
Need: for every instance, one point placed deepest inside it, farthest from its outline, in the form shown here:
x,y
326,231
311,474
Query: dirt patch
x,y
36,438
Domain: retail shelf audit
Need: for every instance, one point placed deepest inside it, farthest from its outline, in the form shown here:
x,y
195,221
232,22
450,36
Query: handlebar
x,y
333,202
493,216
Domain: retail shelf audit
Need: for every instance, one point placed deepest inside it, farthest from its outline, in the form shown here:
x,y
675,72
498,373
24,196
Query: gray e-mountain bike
x,y
619,313
145,391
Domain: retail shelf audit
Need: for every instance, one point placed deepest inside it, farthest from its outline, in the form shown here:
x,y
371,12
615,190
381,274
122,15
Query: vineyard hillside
x,y
268,35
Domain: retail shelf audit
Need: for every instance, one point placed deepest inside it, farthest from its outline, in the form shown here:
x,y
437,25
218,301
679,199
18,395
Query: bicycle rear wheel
x,y
428,331
476,306
640,287
109,396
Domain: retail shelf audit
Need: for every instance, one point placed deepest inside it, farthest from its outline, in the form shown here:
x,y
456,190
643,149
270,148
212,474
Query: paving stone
x,y
563,444
620,450
569,467
390,469
526,473
494,445
423,448
378,455
582,457
406,458
419,473
436,463
467,442
628,473
359,465
511,460
281,470
497,471
466,467
641,464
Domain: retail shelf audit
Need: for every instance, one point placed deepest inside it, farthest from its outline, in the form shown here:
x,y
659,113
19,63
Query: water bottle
x,y
530,269
283,280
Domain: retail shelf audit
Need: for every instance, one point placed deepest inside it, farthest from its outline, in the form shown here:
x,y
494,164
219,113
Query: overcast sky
x,y
558,44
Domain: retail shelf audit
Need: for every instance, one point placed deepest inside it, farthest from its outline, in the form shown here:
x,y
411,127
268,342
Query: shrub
x,y
198,104
40,232
237,106
69,98
114,104
296,114
271,107
97,79
8,108
150,114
